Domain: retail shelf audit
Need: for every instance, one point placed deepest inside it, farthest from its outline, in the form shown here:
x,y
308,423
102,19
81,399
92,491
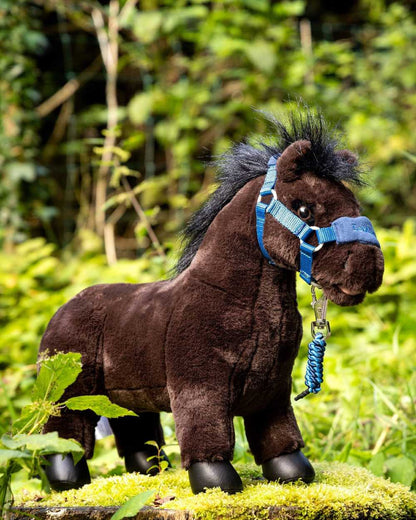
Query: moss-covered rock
x,y
339,492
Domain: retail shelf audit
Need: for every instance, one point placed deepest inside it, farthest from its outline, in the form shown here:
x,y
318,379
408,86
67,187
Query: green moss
x,y
339,492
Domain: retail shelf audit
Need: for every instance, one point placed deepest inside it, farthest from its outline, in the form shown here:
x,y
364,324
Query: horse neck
x,y
230,258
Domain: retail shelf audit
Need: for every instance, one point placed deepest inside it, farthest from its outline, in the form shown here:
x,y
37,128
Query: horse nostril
x,y
347,259
349,291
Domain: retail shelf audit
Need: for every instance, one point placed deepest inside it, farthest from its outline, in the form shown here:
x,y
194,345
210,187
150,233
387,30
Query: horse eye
x,y
304,212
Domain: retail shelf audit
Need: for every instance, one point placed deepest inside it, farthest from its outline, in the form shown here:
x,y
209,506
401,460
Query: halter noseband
x,y
341,230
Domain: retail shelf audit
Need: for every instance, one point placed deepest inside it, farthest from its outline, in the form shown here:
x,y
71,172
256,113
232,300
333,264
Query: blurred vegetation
x,y
109,113
180,80
20,43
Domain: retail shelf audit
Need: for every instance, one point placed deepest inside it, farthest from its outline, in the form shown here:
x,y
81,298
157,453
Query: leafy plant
x,y
25,448
161,463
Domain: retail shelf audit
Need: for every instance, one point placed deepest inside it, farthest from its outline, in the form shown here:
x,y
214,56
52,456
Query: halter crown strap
x,y
261,207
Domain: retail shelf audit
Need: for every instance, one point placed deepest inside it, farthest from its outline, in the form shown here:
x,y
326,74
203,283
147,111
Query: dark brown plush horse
x,y
218,339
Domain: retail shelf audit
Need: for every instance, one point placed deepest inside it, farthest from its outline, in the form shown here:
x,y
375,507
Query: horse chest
x,y
275,343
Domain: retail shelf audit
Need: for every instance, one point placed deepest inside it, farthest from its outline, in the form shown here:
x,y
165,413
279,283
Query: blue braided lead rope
x,y
314,368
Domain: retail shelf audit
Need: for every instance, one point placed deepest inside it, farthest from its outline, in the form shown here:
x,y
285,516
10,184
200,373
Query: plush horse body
x,y
220,338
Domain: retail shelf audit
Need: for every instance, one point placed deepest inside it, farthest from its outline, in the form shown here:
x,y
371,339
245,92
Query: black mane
x,y
243,162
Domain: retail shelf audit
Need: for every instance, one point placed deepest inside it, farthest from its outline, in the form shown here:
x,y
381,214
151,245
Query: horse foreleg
x,y
275,441
131,435
205,433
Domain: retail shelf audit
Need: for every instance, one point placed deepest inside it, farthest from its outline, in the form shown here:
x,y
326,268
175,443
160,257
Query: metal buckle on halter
x,y
319,306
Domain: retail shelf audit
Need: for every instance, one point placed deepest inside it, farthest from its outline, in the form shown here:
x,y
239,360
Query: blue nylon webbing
x,y
270,179
306,258
261,219
299,228
326,234
343,229
261,207
288,219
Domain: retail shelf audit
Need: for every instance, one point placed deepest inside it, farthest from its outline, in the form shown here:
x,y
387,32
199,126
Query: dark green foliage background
x,y
189,75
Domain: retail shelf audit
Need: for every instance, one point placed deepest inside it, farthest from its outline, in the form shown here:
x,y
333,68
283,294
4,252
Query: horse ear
x,y
348,157
289,163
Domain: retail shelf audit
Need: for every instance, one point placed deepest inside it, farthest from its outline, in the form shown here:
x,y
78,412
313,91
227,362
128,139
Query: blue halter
x,y
341,231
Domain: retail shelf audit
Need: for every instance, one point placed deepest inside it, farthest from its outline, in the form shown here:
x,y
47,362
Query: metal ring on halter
x,y
271,191
319,246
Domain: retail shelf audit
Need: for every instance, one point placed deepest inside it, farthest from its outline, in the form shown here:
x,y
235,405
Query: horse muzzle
x,y
348,271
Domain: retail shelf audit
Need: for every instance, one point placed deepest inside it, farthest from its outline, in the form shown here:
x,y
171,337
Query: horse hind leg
x,y
76,327
61,471
131,434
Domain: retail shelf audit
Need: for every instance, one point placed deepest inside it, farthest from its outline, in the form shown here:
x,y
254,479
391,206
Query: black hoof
x,y
137,461
63,474
203,475
289,467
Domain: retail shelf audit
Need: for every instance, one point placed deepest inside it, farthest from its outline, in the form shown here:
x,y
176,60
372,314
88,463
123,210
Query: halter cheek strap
x,y
342,230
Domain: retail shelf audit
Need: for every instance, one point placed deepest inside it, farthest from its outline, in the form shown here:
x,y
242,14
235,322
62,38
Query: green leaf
x,y
27,417
18,171
100,404
401,469
146,25
10,442
6,455
376,465
140,107
163,465
409,156
152,443
152,457
132,506
55,375
262,55
257,5
343,456
34,416
44,444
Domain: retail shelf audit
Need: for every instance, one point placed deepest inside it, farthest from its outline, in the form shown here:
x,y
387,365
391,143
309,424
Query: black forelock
x,y
244,162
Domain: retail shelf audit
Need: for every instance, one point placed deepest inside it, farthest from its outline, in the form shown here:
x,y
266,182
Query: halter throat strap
x,y
342,230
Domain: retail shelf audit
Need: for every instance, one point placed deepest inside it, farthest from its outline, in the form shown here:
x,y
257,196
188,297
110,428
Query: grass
x,y
339,492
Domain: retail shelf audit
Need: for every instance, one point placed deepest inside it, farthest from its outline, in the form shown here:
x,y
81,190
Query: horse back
x,y
119,331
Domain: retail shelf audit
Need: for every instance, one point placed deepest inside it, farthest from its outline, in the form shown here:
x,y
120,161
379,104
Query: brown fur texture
x,y
219,339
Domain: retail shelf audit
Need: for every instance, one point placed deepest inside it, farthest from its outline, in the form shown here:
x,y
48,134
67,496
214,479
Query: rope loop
x,y
314,368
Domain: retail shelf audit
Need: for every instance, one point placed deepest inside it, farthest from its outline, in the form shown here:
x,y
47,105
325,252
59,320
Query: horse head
x,y
316,214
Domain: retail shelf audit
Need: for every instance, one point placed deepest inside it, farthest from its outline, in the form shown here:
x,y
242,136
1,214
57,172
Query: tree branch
x,y
142,215
69,89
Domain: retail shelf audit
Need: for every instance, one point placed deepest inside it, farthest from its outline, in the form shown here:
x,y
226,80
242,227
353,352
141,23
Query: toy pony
x,y
220,337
